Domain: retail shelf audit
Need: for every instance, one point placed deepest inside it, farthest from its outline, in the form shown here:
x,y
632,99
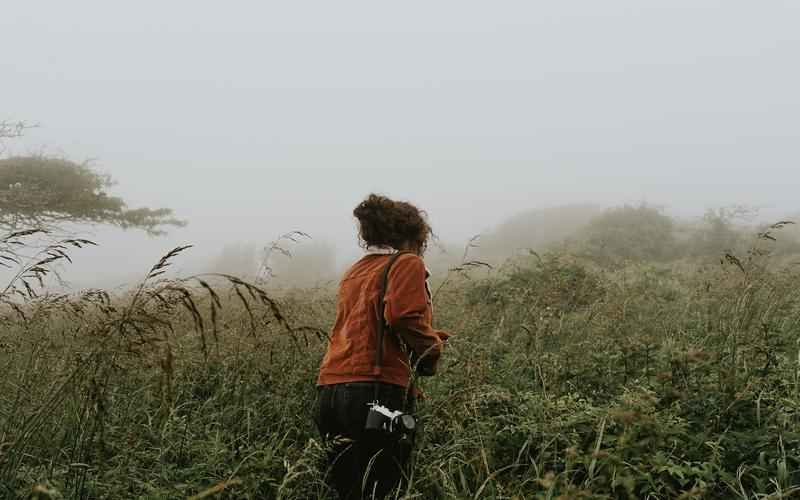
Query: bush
x,y
629,233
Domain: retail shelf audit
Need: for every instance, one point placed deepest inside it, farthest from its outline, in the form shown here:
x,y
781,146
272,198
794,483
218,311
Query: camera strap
x,y
382,320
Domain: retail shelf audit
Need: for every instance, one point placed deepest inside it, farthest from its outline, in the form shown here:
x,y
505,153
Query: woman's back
x,y
407,311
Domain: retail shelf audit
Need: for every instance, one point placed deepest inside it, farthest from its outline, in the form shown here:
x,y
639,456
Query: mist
x,y
254,119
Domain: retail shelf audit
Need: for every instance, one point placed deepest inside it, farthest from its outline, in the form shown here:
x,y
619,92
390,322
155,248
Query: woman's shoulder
x,y
412,257
365,266
409,262
372,264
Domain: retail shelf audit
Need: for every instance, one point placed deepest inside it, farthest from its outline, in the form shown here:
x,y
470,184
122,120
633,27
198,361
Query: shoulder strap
x,y
380,306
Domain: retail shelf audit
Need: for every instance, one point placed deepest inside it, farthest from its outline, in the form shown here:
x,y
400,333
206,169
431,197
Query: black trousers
x,y
362,464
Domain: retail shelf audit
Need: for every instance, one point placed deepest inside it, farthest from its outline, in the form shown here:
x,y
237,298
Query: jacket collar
x,y
374,250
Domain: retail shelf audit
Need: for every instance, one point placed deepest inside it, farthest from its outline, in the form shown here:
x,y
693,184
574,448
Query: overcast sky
x,y
256,118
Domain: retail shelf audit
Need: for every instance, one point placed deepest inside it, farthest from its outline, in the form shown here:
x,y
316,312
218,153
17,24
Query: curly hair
x,y
384,222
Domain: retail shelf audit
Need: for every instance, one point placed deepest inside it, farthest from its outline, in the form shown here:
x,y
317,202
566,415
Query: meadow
x,y
568,376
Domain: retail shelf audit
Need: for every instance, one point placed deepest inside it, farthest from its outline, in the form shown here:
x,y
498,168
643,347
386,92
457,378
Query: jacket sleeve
x,y
407,309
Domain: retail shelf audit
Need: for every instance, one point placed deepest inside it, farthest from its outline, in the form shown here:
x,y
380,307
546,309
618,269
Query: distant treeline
x,y
616,236
609,237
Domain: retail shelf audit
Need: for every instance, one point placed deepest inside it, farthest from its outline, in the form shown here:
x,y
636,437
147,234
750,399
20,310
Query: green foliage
x,y
555,284
535,229
561,380
630,233
780,239
626,235
37,191
718,233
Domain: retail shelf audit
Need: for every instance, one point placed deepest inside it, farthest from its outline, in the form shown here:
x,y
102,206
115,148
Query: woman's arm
x,y
407,310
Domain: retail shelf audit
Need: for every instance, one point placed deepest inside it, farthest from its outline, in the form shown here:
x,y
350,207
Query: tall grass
x,y
562,380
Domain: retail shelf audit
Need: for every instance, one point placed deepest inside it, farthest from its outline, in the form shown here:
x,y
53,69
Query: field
x,y
564,379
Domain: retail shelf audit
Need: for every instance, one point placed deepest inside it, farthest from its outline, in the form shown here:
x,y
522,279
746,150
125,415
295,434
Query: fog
x,y
252,119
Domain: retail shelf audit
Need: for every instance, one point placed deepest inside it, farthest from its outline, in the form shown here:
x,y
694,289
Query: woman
x,y
388,286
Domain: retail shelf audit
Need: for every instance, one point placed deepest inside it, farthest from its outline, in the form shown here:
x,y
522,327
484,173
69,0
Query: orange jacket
x,y
407,309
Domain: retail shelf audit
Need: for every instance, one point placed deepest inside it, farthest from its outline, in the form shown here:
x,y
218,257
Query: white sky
x,y
255,118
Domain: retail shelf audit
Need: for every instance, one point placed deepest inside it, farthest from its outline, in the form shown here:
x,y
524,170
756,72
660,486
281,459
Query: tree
x,y
37,191
534,229
637,233
11,130
237,258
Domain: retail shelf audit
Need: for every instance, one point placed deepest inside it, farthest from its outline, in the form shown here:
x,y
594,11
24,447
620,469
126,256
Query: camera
x,y
401,426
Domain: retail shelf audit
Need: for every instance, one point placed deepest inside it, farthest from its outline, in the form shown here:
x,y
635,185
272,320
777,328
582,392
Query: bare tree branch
x,y
12,130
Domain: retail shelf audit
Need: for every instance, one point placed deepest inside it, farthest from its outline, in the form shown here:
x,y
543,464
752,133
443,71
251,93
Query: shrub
x,y
629,233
